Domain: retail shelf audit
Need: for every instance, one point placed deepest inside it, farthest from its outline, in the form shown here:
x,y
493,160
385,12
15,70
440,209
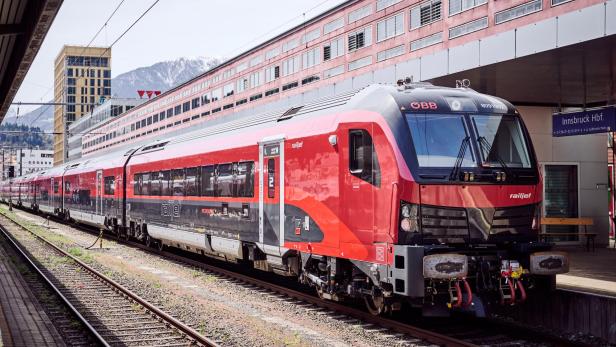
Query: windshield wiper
x,y
460,159
485,145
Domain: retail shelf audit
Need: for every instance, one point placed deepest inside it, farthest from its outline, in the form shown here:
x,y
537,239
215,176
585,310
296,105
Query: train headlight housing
x,y
409,217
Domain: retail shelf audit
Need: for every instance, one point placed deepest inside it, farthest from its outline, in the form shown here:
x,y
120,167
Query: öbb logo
x,y
520,195
424,105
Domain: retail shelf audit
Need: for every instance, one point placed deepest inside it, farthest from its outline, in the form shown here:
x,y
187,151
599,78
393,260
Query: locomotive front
x,y
469,216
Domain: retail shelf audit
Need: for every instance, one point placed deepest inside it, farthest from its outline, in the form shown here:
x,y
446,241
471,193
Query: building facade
x,y
545,56
88,124
82,76
25,160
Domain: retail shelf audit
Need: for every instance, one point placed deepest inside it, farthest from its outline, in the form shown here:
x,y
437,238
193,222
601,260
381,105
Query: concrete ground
x,y
590,271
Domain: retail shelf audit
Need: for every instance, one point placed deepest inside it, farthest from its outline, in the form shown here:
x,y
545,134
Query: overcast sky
x,y
172,29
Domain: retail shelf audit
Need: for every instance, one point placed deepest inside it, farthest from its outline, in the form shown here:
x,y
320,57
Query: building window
x,y
427,41
558,2
333,49
426,13
271,73
390,27
311,58
335,71
289,86
333,25
310,79
457,6
272,53
255,97
290,66
360,13
518,11
360,38
241,67
206,99
195,103
289,45
256,60
216,94
255,79
311,36
242,84
468,28
359,63
186,106
382,4
390,53
227,90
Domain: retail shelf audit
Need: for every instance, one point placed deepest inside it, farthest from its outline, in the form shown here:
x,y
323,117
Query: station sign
x,y
591,121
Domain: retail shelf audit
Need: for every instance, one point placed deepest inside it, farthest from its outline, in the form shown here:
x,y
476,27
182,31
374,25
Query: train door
x,y
359,167
271,196
99,192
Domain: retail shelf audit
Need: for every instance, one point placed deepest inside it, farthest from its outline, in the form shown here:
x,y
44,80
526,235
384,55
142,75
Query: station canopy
x,y
23,26
572,76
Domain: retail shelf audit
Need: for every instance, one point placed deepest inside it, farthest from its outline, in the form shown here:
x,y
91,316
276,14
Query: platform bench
x,y
590,237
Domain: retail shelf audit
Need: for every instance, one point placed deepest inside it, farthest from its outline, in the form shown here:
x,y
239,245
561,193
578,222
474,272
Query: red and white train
x,y
392,194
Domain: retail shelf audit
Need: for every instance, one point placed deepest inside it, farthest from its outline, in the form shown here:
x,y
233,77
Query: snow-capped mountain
x,y
160,76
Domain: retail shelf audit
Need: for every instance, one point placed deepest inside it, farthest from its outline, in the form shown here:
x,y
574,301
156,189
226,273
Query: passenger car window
x,y
224,180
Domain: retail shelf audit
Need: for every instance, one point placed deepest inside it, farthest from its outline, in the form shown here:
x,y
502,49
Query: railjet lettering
x,y
584,122
520,195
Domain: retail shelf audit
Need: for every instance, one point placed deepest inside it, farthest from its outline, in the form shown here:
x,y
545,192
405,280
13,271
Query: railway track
x,y
110,314
462,333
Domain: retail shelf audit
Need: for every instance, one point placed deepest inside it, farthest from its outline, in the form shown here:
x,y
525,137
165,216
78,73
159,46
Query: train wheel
x,y
375,303
160,245
148,241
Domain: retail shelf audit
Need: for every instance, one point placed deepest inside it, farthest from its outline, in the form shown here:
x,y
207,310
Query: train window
x,y
109,184
56,187
192,181
155,184
271,178
67,187
208,180
178,182
363,162
137,184
145,185
244,179
224,180
165,183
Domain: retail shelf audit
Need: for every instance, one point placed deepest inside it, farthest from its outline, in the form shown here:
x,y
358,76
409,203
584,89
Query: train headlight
x,y
405,225
406,210
409,217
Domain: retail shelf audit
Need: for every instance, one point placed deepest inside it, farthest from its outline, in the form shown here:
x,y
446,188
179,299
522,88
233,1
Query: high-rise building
x,y
82,81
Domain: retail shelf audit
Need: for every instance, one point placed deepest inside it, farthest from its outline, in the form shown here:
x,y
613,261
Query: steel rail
x,y
185,329
432,337
55,289
412,331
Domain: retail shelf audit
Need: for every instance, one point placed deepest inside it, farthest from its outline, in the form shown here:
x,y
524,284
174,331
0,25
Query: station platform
x,y
23,322
592,272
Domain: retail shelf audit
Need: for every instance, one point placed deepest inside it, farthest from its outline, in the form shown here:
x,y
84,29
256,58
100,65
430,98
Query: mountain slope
x,y
160,76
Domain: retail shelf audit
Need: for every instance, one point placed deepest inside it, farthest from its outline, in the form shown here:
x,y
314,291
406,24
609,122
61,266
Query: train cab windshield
x,y
476,142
